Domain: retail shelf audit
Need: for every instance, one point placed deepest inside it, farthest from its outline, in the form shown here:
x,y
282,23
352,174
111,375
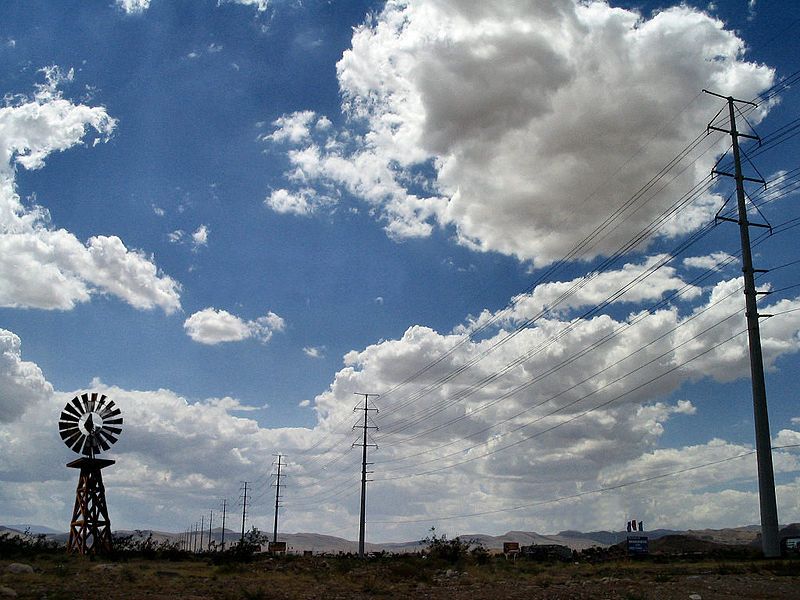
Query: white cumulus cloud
x,y
49,268
505,120
213,326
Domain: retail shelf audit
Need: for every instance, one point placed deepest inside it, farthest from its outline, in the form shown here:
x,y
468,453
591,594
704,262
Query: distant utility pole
x,y
194,541
244,511
224,503
766,478
210,520
277,498
364,445
202,530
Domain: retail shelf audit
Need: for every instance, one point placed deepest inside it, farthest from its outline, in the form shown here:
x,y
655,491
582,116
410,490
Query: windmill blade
x,y
71,410
70,437
102,443
68,419
110,410
114,430
76,402
85,399
110,437
112,421
67,426
89,444
99,406
78,443
106,437
68,423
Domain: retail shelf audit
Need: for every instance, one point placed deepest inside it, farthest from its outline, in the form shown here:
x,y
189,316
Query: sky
x,y
237,217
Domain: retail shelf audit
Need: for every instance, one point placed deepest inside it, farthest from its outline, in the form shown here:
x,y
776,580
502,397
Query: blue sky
x,y
232,216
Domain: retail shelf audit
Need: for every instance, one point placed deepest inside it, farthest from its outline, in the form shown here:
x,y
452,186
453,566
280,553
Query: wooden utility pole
x,y
364,445
766,477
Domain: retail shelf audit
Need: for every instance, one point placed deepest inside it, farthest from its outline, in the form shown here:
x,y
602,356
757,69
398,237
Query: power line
x,y
580,494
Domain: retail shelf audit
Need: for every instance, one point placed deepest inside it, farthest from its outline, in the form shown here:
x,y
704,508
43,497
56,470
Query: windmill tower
x,y
89,424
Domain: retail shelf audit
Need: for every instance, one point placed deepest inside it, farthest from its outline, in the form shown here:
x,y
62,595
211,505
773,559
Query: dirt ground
x,y
59,577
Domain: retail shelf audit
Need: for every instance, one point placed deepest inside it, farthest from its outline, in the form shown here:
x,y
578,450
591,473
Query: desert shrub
x,y
138,545
26,544
441,548
242,551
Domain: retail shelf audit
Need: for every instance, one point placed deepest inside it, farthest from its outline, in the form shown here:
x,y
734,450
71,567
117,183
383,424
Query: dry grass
x,y
66,577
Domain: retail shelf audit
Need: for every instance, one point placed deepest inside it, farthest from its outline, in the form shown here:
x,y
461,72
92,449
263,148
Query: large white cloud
x,y
537,419
213,326
44,267
522,124
22,383
472,443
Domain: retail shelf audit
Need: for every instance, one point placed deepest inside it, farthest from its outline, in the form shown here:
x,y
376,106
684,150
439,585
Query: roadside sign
x,y
637,544
277,547
510,547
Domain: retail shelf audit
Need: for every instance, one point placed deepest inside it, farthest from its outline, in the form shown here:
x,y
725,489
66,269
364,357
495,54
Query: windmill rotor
x,y
90,423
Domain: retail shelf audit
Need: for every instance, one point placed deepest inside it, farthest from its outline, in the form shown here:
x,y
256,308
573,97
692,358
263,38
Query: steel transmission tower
x,y
766,478
210,530
224,506
364,445
244,511
279,464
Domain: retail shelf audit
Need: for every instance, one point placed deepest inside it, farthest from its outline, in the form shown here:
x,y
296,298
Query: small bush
x,y
26,544
451,551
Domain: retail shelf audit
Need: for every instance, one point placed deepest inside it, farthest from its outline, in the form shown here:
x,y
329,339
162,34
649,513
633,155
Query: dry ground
x,y
60,577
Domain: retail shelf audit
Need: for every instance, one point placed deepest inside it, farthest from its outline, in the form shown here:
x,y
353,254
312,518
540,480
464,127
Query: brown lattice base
x,y
90,528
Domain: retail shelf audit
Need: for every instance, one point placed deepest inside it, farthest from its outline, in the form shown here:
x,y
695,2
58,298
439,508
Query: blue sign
x,y
637,544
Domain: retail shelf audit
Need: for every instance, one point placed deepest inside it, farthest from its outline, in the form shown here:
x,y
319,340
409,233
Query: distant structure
x,y
89,424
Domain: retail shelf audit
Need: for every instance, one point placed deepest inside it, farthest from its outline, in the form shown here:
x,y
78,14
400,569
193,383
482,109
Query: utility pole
x,y
224,503
210,520
766,479
244,511
364,445
194,543
277,499
202,530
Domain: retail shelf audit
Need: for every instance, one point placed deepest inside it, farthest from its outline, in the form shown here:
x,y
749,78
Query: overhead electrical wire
x,y
579,494
453,349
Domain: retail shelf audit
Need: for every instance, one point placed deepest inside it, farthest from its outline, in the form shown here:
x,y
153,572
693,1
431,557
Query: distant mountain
x,y
34,529
319,543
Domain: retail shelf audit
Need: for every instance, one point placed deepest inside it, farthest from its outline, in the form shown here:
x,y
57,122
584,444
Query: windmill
x,y
89,424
